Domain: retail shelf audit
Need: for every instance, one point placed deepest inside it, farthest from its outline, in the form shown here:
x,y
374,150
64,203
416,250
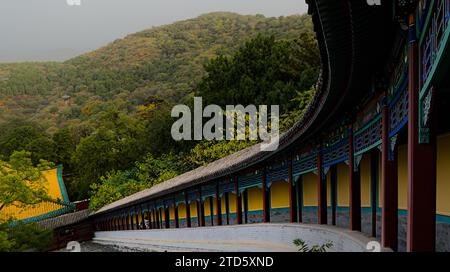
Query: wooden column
x,y
374,178
149,217
321,192
167,216
238,201
218,205
333,183
355,188
161,217
227,207
158,223
136,211
177,219
421,234
128,221
292,194
245,200
202,208
265,198
188,210
211,210
300,198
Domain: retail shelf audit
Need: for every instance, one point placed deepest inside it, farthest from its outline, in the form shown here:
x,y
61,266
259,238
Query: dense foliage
x,y
106,115
264,71
22,185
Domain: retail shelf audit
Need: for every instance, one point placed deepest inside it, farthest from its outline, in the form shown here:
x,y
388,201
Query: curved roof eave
x,y
335,34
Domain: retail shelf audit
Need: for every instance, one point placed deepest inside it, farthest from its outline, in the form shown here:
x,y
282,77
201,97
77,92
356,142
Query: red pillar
x,y
265,196
300,198
202,209
218,205
333,183
188,210
292,194
158,222
322,192
177,219
355,188
421,232
389,180
238,201
167,216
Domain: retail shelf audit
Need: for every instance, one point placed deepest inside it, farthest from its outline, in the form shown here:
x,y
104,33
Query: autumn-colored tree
x,y
21,183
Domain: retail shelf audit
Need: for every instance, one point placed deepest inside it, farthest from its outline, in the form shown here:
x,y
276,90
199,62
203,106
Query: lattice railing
x,y
369,136
434,32
336,153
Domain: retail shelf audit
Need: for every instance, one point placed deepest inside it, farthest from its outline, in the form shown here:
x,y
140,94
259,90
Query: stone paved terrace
x,y
242,238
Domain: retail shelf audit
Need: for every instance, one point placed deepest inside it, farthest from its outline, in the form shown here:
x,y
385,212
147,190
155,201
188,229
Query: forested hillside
x,y
105,115
164,61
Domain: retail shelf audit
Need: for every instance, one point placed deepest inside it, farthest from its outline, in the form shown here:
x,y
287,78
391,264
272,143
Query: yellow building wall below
x,y
232,202
207,207
343,185
54,191
403,177
255,199
279,195
182,211
310,196
172,213
193,207
443,175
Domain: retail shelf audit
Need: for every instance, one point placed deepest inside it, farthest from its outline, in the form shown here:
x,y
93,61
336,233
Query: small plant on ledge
x,y
304,247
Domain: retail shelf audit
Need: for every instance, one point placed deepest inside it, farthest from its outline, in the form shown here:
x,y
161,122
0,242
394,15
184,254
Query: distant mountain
x,y
164,62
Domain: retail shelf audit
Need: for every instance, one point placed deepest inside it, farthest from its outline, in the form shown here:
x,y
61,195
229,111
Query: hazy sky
x,y
54,30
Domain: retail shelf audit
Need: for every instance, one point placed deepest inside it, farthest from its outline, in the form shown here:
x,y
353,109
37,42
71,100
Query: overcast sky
x,y
53,30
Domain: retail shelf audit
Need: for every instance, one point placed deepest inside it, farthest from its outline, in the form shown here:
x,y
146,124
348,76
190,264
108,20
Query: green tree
x,y
21,183
22,237
265,71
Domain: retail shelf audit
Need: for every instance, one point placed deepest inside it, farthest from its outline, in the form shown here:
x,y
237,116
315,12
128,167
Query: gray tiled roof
x,y
65,220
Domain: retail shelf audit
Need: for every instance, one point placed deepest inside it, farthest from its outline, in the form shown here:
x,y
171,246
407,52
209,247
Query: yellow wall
x,y
207,208
279,195
193,206
223,206
54,191
403,177
232,200
343,186
365,181
255,199
310,196
172,213
181,211
443,175
214,206
163,215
